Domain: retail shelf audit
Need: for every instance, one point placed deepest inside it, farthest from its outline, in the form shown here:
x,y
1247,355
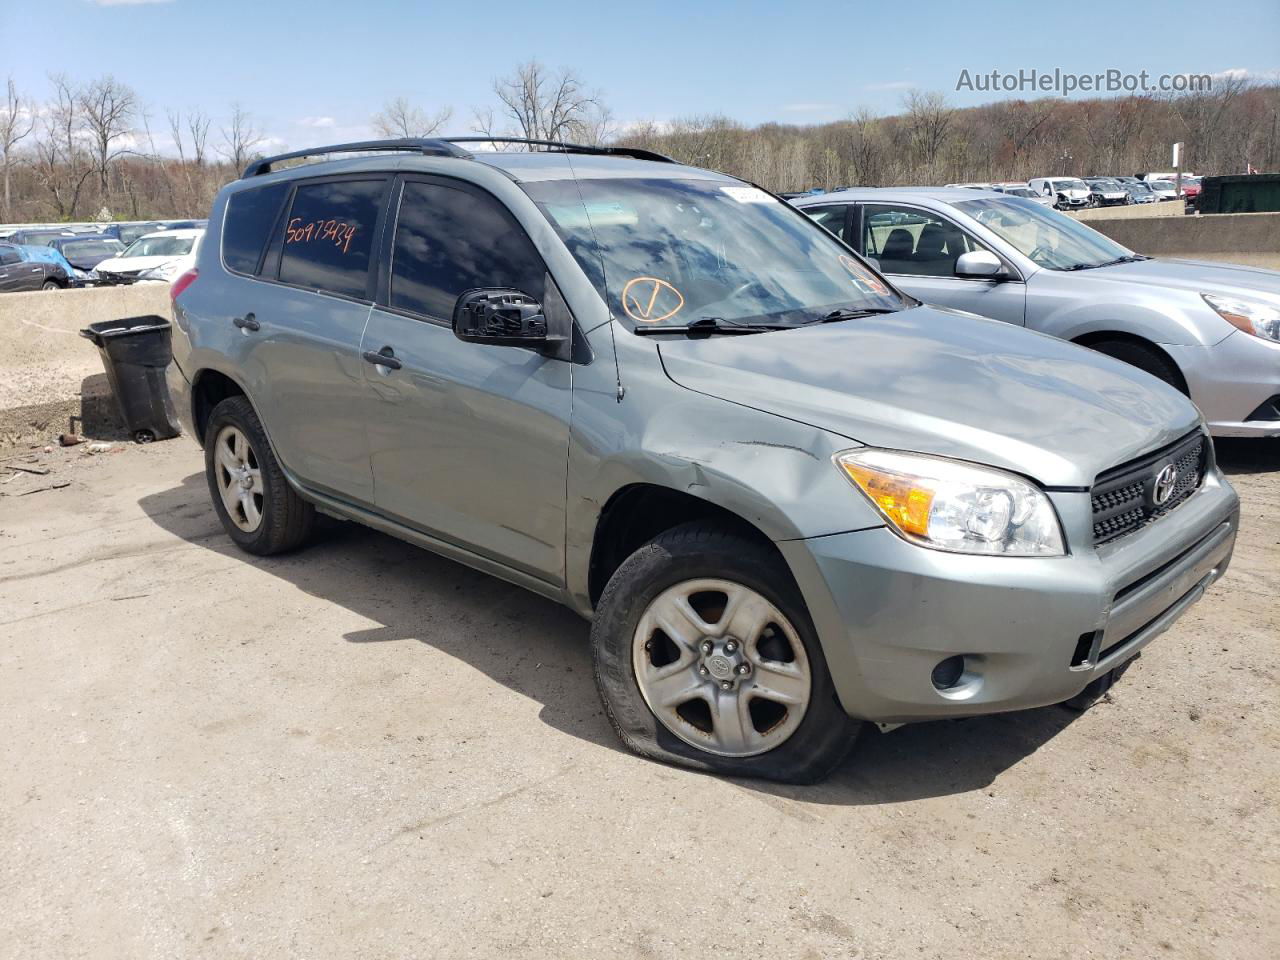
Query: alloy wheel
x,y
721,667
239,478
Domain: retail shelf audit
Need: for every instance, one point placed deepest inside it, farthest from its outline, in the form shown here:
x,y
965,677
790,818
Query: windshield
x,y
160,247
679,251
1069,185
1050,239
81,249
1163,186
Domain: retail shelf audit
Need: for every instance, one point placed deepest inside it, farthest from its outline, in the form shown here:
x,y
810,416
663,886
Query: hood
x,y
944,382
134,264
1076,193
1196,276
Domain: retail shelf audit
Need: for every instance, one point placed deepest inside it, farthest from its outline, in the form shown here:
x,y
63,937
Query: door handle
x,y
386,357
247,322
37,269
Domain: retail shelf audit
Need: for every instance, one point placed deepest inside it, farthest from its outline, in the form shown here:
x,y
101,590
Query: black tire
x,y
51,285
286,518
696,550
1145,358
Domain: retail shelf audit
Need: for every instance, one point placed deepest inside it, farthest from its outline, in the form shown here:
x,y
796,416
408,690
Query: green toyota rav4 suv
x,y
789,497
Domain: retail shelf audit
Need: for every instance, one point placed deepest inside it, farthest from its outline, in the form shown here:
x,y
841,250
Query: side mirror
x,y
980,264
501,317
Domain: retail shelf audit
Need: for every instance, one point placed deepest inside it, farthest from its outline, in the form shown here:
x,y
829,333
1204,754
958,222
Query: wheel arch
x,y
638,512
209,387
1097,337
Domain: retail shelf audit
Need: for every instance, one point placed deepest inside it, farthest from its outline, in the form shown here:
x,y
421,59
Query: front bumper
x,y
1033,631
1230,380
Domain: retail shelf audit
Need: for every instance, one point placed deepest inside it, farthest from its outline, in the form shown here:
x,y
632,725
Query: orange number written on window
x,y
337,232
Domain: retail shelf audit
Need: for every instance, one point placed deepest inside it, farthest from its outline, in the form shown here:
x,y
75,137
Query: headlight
x,y
947,505
1259,319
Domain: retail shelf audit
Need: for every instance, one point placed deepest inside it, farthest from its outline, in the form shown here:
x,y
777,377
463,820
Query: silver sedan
x,y
1210,329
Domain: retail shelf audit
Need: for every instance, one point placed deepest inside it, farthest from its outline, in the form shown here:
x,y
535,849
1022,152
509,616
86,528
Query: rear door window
x,y
907,240
9,255
832,217
328,236
250,217
449,240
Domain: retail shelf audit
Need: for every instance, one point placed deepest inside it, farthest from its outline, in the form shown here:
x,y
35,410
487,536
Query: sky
x,y
312,71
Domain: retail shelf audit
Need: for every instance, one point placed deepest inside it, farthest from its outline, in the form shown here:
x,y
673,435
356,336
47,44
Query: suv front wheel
x,y
258,508
705,657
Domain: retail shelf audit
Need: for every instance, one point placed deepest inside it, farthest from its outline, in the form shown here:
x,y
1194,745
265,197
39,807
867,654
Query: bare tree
x,y
543,106
109,108
400,118
928,119
240,138
17,120
62,165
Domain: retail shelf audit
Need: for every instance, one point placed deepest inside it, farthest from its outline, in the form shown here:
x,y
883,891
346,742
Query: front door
x,y
918,249
469,442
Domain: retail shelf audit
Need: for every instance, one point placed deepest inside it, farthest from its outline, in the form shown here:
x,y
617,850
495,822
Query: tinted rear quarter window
x,y
329,234
246,228
450,240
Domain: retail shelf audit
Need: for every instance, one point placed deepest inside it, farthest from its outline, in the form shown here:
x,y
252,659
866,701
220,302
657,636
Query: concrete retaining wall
x,y
1166,208
1252,239
51,378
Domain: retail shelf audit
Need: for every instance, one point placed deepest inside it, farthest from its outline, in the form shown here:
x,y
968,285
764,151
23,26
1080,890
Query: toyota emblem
x,y
1166,481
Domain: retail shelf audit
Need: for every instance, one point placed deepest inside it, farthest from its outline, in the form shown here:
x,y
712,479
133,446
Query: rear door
x,y
918,248
468,441
302,319
10,263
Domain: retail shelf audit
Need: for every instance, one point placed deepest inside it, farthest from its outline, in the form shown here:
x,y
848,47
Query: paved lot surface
x,y
364,751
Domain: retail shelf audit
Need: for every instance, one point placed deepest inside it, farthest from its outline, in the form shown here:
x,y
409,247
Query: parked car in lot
x,y
127,233
157,256
31,268
1068,193
1209,329
84,252
1105,192
1190,189
37,236
1139,191
1022,190
789,496
1163,189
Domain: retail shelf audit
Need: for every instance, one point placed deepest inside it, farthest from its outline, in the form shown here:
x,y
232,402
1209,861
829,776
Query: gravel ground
x,y
362,750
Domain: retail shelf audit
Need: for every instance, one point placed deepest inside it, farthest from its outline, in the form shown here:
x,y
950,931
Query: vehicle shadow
x,y
1239,455
503,631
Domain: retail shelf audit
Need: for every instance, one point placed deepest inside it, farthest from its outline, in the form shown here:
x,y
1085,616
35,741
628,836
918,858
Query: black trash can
x,y
135,352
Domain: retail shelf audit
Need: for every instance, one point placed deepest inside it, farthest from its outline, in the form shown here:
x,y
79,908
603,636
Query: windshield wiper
x,y
1107,263
845,313
707,326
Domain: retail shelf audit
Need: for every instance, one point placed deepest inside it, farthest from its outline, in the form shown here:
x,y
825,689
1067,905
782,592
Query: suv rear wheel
x,y
257,507
705,657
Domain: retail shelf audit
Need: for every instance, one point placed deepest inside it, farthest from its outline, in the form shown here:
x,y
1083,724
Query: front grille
x,y
1129,496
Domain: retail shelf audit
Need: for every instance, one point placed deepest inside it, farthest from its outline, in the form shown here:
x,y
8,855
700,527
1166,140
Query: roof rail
x,y
426,146
635,153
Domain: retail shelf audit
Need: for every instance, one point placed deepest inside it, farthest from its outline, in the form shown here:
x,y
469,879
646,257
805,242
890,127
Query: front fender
x,y
1147,311
774,473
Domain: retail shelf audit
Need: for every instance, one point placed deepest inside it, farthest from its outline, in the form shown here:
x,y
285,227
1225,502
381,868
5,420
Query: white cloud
x,y
891,85
320,123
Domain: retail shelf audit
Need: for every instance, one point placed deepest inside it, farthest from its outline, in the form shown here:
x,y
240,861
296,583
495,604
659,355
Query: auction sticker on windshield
x,y
749,195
